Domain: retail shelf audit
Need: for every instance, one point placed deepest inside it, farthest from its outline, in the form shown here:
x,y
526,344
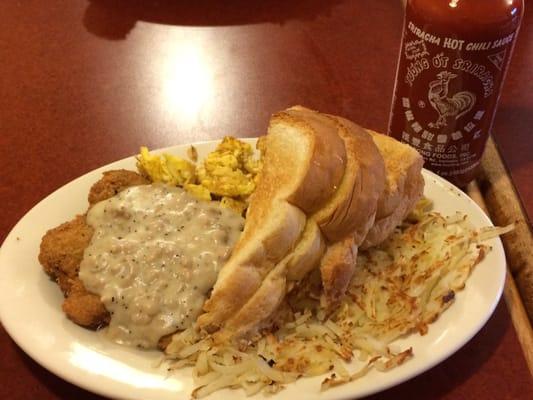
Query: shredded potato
x,y
399,288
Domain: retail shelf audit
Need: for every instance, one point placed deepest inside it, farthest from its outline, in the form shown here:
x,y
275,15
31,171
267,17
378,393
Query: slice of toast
x,y
262,304
352,209
349,212
364,204
404,186
307,254
310,181
304,162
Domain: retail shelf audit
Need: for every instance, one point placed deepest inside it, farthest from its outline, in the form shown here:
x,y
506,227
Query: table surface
x,y
84,83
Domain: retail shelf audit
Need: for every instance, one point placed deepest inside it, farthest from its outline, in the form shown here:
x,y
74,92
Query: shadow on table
x,y
114,19
453,372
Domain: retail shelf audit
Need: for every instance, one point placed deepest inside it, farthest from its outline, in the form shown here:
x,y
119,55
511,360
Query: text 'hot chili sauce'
x,y
452,62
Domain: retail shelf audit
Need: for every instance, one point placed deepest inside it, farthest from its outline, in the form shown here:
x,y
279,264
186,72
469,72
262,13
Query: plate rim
x,y
78,380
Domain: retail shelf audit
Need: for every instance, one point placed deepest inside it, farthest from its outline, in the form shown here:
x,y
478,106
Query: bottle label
x,y
445,96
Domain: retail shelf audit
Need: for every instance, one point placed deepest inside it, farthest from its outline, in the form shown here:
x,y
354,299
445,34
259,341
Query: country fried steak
x,y
62,248
114,182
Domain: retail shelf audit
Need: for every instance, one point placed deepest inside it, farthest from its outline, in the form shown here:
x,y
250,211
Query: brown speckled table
x,y
83,83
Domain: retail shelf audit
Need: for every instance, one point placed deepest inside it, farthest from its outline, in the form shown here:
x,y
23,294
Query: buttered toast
x,y
327,187
304,162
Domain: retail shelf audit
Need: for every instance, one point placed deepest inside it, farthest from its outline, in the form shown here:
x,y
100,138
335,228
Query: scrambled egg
x,y
230,169
165,168
229,173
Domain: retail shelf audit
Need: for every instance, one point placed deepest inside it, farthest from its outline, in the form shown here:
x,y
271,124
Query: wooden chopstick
x,y
499,200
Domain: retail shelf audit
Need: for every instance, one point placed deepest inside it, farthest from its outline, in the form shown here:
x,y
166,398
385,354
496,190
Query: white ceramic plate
x,y
30,310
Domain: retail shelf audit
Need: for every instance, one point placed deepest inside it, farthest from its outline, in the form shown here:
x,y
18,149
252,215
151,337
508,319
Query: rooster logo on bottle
x,y
448,105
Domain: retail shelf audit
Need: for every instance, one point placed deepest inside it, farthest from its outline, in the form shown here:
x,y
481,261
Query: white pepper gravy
x,y
155,254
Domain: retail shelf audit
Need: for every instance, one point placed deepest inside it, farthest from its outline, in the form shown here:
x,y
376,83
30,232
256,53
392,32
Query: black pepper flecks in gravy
x,y
155,253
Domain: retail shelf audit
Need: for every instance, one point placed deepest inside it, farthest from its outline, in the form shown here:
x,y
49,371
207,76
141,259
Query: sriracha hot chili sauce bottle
x,y
452,62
